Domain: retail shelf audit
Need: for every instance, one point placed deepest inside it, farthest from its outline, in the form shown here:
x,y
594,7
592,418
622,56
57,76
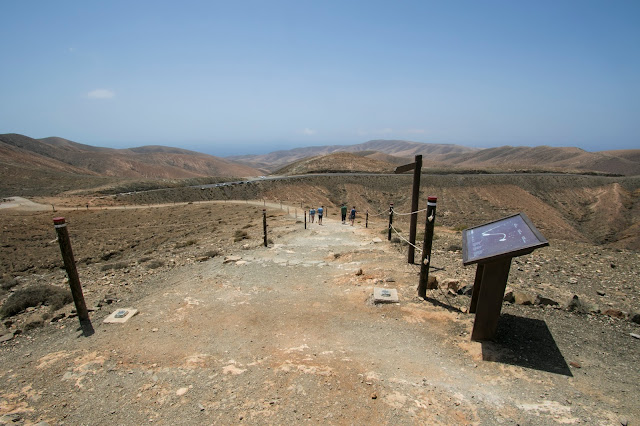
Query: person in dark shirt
x,y
343,211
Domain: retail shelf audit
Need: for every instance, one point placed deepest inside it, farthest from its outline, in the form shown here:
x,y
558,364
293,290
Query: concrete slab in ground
x,y
121,315
385,295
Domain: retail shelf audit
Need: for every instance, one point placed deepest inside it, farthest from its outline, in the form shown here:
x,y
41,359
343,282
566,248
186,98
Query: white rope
x,y
405,240
407,214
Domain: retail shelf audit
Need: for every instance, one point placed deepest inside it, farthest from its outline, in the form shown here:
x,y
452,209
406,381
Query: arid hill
x,y
335,163
396,148
57,154
505,158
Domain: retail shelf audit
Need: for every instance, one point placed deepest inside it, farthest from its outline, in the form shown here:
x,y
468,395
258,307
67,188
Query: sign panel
x,y
405,168
508,237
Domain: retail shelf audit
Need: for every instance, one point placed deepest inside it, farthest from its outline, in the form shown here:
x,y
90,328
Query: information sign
x,y
507,237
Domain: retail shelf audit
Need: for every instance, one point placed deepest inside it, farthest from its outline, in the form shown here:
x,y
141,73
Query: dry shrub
x,y
35,295
155,264
240,235
117,265
8,283
212,253
182,244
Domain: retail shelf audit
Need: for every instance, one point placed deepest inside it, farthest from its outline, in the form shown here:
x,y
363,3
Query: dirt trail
x,y
286,334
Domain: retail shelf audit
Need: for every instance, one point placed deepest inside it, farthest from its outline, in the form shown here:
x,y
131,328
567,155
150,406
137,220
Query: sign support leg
x,y
489,302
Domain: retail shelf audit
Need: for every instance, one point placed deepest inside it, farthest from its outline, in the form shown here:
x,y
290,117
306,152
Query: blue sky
x,y
254,76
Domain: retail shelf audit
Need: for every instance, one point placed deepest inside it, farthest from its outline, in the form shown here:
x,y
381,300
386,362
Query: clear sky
x,y
234,77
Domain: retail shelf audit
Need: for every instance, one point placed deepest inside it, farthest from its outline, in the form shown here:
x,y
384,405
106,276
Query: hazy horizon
x,y
248,76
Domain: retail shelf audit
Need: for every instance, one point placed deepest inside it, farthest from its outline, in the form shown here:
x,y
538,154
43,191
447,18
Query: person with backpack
x,y
320,212
352,216
312,214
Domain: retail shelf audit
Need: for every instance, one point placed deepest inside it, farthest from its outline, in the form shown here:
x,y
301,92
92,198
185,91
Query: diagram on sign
x,y
506,235
487,233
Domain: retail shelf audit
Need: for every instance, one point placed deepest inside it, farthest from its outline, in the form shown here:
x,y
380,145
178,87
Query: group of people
x,y
343,212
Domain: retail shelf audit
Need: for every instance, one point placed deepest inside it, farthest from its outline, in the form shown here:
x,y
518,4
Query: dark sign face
x,y
508,237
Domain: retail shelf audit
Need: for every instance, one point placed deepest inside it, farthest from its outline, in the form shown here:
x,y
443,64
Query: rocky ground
x,y
289,333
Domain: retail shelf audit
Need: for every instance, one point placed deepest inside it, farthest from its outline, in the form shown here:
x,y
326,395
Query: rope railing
x,y
405,240
407,214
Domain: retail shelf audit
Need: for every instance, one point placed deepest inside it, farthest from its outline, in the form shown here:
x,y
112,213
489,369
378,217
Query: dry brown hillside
x,y
338,162
505,158
144,162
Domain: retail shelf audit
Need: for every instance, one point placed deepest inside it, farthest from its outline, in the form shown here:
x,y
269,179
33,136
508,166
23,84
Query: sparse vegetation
x,y
240,235
35,295
115,266
155,264
8,283
183,244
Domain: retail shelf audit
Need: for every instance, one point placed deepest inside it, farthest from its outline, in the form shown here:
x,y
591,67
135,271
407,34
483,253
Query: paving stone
x,y
121,315
385,295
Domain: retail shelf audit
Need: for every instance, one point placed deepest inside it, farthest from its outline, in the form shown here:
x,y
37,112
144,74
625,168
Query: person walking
x,y
312,214
343,211
320,213
352,216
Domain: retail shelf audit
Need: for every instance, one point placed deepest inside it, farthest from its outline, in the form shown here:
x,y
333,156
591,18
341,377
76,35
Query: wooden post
x,y
70,266
305,219
426,247
264,225
287,209
490,292
390,219
366,223
417,170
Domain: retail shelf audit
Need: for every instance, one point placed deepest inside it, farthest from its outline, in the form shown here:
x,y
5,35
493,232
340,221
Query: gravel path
x,y
289,334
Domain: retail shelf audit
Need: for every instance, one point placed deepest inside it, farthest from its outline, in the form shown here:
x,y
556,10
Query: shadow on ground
x,y
525,342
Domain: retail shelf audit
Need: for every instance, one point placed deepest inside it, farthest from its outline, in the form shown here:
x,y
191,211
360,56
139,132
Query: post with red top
x,y
264,225
390,219
426,246
70,266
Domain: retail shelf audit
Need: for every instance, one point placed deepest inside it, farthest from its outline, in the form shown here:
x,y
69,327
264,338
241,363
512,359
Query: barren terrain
x,y
288,333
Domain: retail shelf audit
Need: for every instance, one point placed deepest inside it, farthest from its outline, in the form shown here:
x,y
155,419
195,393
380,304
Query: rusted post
x,y
264,225
70,266
426,246
414,208
390,219
366,223
305,219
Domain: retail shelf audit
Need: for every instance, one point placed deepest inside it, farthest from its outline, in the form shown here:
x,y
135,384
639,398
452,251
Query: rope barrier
x,y
407,214
405,240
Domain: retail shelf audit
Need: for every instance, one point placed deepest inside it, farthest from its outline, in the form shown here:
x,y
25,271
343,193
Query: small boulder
x,y
432,282
359,272
508,296
230,259
600,292
614,313
467,290
450,284
635,317
522,298
545,301
580,306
